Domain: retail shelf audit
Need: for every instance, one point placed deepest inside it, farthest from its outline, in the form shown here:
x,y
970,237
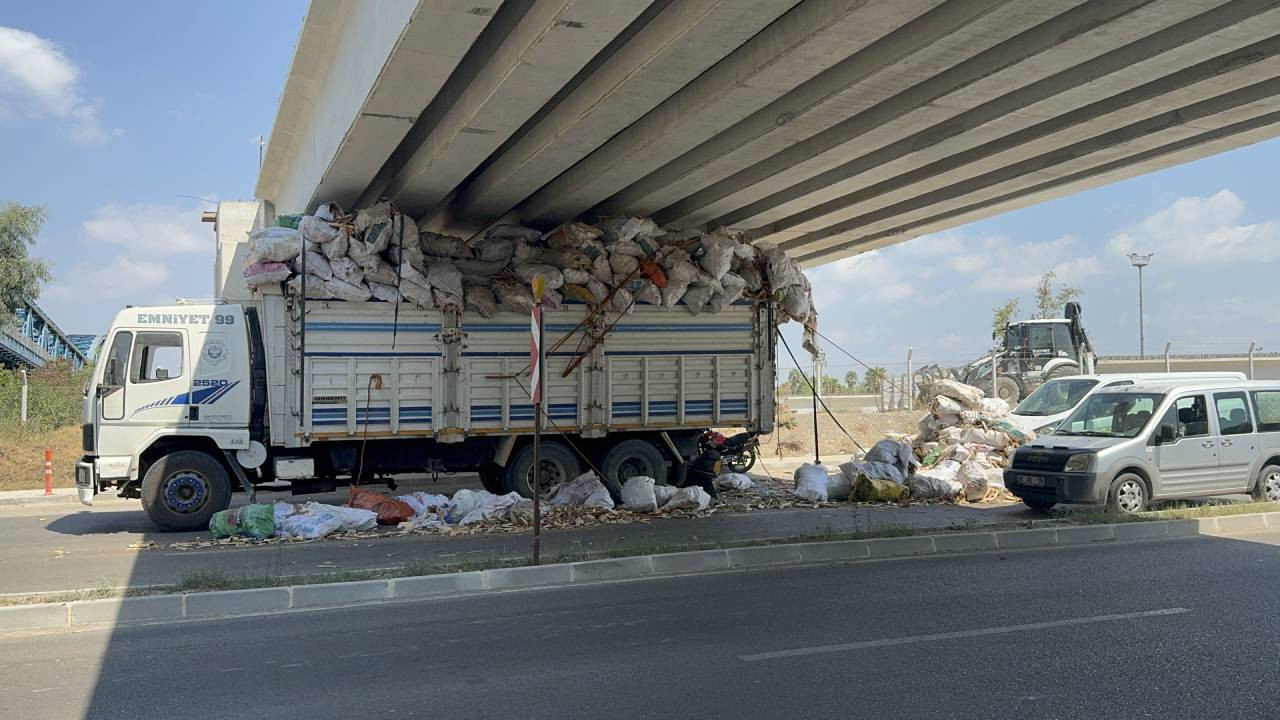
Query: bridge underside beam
x,y
829,127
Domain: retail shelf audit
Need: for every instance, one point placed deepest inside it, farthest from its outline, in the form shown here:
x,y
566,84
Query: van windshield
x,y
1055,396
1120,415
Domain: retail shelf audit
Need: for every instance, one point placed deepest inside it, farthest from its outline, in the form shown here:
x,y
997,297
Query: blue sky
x,y
110,113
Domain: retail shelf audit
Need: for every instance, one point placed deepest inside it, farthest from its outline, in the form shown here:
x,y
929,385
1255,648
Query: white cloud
x,y
122,277
869,277
1200,230
1000,265
38,80
150,230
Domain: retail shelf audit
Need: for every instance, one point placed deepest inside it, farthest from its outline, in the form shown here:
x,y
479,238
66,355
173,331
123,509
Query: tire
x,y
491,479
742,462
1267,489
1007,389
1039,505
1128,494
183,489
1061,371
559,463
632,458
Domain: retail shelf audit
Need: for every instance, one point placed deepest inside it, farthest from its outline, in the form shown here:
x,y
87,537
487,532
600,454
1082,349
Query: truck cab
x,y
171,383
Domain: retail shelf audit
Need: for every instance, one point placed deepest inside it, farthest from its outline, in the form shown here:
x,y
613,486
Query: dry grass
x,y
22,458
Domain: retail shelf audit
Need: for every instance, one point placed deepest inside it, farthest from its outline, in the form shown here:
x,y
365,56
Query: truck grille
x,y
86,439
1041,458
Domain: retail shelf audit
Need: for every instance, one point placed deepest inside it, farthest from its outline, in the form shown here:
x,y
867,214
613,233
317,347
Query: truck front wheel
x,y
183,489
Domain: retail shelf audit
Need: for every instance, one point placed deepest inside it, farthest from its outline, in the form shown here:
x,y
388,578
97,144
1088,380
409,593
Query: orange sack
x,y
390,512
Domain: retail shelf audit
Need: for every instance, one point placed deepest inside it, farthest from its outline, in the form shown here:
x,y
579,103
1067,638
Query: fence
x,y
54,395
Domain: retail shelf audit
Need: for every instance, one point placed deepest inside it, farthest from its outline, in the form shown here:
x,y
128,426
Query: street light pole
x,y
1140,261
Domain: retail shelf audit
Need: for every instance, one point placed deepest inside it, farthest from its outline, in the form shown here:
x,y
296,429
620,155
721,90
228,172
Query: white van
x,y
1126,446
1051,403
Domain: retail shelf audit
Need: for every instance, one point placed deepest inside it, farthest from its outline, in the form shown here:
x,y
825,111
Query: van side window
x,y
1266,403
1190,415
1233,413
156,356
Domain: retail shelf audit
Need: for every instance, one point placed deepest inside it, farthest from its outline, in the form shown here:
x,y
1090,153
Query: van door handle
x,y
1206,443
1226,443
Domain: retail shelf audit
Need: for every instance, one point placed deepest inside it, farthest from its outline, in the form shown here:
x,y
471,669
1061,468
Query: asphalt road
x,y
53,548
1174,629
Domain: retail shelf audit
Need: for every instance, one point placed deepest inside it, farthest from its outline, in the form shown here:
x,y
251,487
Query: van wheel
x,y
183,489
559,464
1039,505
632,458
1128,494
1267,489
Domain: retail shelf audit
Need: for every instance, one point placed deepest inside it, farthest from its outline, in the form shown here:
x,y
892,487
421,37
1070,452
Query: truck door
x,y
159,384
1189,464
1237,443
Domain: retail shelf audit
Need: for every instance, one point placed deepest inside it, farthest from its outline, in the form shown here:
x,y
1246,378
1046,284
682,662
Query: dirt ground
x,y
22,458
866,429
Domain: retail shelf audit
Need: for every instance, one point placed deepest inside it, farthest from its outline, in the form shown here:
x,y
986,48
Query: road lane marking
x,y
979,632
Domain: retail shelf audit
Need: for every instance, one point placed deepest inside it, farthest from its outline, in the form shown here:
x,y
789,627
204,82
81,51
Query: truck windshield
x,y
1121,415
1055,396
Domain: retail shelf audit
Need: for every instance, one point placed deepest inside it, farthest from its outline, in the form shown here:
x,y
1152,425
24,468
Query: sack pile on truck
x,y
379,254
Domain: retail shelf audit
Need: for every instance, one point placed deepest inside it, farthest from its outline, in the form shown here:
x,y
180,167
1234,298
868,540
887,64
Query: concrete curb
x,y
261,601
37,500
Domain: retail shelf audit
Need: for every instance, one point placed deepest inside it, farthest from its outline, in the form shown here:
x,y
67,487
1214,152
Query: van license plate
x,y
1032,481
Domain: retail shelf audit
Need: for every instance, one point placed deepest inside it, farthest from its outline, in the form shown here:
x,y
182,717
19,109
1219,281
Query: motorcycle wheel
x,y
742,462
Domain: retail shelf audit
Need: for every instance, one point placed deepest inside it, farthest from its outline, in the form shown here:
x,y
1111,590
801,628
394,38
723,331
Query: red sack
x,y
390,512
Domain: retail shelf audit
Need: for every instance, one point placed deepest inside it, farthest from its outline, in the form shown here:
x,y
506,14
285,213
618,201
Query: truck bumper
x,y
1041,486
86,483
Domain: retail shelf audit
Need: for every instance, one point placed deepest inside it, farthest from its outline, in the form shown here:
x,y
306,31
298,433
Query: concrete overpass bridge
x,y
35,340
830,127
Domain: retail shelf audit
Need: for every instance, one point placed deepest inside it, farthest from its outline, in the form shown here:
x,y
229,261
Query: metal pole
x,y
24,393
911,384
1252,344
1142,325
817,460
537,425
1167,344
994,388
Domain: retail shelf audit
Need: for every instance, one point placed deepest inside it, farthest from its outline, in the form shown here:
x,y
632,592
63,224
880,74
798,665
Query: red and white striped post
x,y
48,472
537,378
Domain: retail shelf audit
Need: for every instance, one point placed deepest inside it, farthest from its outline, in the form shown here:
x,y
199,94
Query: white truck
x,y
190,403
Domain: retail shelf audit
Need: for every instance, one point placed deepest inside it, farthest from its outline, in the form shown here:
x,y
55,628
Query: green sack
x,y
1011,430
289,221
932,458
256,521
867,489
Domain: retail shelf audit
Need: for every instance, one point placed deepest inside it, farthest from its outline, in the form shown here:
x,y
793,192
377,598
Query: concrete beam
x,y
341,52
439,34
1107,65
1228,136
529,51
658,56
1013,50
896,44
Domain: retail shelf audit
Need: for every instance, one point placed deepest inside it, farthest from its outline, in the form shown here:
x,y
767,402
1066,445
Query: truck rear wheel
x,y
632,458
559,463
183,489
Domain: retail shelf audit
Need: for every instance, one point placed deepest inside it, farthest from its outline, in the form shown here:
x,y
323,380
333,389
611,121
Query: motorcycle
x,y
738,451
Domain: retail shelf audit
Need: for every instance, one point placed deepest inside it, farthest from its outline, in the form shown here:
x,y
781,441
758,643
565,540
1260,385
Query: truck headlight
x,y
1046,429
1079,462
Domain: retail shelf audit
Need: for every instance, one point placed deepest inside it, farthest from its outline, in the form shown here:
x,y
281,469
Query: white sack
x,y
688,498
314,520
638,494
811,482
266,273
274,244
733,481
663,493
347,291
926,487
423,502
482,300
584,490
995,407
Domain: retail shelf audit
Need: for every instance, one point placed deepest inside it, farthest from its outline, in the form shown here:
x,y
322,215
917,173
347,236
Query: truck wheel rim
x,y
1130,495
633,467
1271,486
552,474
185,492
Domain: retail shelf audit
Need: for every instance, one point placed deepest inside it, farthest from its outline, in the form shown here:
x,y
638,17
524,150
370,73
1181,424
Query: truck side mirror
x,y
110,377
162,374
1166,434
